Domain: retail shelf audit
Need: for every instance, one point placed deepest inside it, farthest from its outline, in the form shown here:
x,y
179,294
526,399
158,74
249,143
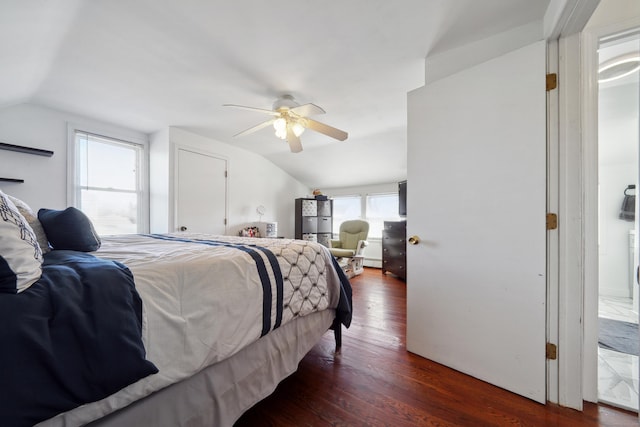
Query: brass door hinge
x,y
551,351
552,81
552,221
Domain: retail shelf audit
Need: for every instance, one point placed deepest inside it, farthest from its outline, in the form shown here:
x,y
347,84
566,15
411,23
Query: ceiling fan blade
x,y
326,129
294,142
255,128
307,110
260,110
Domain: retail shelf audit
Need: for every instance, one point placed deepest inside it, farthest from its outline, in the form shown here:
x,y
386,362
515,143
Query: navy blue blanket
x,y
344,311
73,337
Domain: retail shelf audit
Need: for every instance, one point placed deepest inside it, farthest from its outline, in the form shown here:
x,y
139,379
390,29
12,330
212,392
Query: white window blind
x,y
345,208
108,183
381,208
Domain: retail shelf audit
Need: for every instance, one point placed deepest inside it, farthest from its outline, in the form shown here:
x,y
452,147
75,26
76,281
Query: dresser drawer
x,y
394,248
309,224
395,228
324,224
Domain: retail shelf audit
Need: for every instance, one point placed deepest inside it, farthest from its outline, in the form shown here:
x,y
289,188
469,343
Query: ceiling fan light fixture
x,y
280,125
297,128
618,67
281,133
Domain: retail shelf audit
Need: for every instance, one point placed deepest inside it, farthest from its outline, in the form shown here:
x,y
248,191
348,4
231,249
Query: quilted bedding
x,y
72,337
206,297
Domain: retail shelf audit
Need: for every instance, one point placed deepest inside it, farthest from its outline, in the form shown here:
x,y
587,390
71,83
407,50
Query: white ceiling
x,y
149,64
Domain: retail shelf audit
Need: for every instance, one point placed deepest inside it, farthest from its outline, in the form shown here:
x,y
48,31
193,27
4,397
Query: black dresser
x,y
394,248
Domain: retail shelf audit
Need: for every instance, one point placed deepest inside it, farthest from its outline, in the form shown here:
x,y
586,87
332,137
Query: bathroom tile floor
x,y
617,372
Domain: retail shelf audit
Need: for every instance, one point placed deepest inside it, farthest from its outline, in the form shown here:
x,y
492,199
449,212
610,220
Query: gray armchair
x,y
349,249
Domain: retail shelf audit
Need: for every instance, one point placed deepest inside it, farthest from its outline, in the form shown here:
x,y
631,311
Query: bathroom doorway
x,y
618,154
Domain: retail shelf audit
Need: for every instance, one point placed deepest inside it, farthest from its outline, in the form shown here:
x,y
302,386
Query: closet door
x,y
476,280
201,192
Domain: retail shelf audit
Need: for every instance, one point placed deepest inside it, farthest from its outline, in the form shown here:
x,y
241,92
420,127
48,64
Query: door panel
x,y
476,287
201,192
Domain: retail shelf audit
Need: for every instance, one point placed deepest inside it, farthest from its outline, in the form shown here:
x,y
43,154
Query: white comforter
x,y
203,302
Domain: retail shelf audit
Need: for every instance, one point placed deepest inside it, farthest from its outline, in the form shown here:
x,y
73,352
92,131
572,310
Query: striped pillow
x,y
20,255
34,222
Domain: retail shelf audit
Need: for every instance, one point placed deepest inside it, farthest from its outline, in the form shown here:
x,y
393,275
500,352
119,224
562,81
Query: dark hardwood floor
x,y
374,381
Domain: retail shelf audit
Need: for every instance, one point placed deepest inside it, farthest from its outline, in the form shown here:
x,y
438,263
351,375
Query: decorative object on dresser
x,y
402,199
314,220
394,248
270,229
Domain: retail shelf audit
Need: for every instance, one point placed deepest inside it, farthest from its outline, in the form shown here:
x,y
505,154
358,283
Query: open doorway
x,y
618,146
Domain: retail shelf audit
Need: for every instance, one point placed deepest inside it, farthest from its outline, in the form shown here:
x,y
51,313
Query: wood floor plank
x,y
374,381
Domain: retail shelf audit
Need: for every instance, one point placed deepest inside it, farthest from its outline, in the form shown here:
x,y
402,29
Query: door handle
x,y
183,228
414,240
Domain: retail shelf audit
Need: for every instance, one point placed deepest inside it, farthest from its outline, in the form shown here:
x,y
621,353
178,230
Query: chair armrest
x,y
360,248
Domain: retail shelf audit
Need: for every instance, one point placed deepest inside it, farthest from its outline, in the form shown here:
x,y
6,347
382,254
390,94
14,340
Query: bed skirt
x,y
219,394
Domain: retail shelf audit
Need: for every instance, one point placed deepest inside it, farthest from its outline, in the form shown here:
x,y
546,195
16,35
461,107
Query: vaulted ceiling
x,y
149,64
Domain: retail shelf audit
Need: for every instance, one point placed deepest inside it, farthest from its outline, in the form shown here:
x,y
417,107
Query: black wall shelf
x,y
23,149
11,180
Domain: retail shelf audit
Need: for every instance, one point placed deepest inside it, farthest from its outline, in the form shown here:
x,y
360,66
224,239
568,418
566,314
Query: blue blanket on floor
x,y
73,337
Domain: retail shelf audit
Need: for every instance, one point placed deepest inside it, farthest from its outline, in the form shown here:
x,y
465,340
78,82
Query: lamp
x,y
618,67
297,129
281,124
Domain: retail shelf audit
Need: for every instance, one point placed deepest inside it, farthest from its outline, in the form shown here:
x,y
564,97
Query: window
x,y
345,208
108,183
377,209
381,208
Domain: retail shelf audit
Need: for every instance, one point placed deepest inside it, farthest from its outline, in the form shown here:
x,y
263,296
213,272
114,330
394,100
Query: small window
x,y
108,183
381,208
345,208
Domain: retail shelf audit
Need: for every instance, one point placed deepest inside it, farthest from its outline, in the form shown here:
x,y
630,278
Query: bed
x,y
207,325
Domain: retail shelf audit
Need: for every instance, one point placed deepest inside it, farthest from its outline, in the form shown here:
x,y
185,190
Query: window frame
x,y
118,136
345,196
365,204
364,214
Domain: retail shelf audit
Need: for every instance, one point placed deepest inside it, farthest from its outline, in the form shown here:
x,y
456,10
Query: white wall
x,y
40,127
617,168
373,252
613,11
252,181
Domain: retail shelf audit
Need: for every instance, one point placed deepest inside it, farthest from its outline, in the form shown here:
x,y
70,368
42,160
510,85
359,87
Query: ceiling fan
x,y
290,119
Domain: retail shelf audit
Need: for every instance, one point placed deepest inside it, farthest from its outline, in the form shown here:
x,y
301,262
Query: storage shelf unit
x,y
394,248
314,220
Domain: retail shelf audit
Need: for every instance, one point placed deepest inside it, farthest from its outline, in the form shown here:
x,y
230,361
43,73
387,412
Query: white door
x,y
476,286
201,188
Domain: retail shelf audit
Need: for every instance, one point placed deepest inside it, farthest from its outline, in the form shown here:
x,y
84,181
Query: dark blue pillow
x,y
69,229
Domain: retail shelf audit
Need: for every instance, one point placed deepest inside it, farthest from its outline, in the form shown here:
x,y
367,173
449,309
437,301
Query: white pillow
x,y
34,222
20,254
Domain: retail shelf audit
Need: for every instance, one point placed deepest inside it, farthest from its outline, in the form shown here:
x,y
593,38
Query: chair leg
x,y
357,264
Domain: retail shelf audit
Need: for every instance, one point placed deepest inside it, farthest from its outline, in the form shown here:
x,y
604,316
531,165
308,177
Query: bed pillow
x,y
20,254
69,229
34,223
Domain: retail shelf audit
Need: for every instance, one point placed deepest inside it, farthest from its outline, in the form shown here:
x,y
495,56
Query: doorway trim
x,y
589,46
564,20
